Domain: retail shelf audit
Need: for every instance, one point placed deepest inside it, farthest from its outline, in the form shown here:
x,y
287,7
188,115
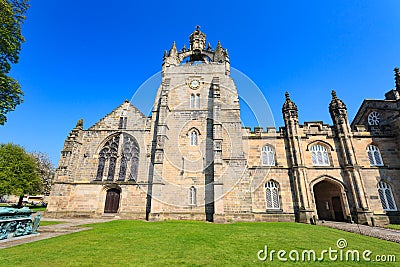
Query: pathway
x,y
378,232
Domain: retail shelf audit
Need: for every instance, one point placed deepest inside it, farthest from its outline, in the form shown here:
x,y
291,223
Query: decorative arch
x,y
118,151
320,142
329,179
330,198
193,134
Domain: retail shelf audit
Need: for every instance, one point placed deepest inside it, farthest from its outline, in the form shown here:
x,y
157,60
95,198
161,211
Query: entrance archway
x,y
112,201
329,202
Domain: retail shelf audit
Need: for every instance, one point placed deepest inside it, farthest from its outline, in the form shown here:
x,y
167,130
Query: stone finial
x,y
336,103
79,123
173,51
334,94
289,104
397,78
219,55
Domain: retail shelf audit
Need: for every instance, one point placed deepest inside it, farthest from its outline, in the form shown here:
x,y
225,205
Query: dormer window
x,y
374,118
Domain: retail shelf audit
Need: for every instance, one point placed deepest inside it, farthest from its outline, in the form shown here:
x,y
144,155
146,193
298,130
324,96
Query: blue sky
x,y
83,58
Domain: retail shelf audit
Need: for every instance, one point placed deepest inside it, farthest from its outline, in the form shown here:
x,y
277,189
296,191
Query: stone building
x,y
192,159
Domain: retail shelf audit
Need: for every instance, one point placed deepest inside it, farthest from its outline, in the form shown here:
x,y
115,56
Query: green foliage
x,y
18,171
187,243
11,19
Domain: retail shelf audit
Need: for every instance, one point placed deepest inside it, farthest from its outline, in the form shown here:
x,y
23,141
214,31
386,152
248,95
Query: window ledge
x,y
274,210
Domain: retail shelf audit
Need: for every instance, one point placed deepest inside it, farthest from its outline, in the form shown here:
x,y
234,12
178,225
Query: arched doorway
x,y
112,201
328,200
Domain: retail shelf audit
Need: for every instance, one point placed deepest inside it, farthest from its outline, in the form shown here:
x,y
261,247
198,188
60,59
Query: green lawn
x,y
45,223
394,226
187,243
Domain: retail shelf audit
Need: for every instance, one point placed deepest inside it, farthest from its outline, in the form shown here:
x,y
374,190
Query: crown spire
x,y
197,39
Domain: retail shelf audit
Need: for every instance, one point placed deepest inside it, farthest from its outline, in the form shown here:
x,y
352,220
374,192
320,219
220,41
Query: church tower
x,y
197,154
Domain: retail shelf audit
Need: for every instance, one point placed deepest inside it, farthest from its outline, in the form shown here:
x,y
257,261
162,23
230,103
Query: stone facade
x,y
192,159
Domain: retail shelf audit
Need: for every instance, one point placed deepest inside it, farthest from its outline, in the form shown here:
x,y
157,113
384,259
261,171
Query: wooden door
x,y
337,209
112,201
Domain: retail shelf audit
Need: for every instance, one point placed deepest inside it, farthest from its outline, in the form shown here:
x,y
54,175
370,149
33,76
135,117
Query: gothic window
x,y
109,156
319,155
193,138
192,196
374,155
374,118
197,101
100,168
268,156
192,101
386,196
111,169
272,195
130,152
134,169
122,169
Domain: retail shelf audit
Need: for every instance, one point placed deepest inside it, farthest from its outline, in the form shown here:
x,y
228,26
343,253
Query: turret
x,y
289,110
338,110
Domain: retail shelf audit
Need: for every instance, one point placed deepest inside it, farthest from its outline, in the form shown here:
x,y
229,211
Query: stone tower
x,y
196,122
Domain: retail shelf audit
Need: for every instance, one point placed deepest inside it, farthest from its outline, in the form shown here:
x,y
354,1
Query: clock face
x,y
194,84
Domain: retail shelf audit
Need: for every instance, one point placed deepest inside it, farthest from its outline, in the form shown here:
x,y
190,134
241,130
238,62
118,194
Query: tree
x,y
18,172
11,19
45,169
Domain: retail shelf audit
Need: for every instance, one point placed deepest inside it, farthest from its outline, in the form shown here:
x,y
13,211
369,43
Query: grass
x,y
393,226
45,223
187,243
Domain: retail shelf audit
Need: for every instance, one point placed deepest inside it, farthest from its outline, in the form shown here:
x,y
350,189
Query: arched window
x,y
192,101
109,162
319,155
272,195
193,138
198,101
268,156
386,196
107,158
374,156
192,196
